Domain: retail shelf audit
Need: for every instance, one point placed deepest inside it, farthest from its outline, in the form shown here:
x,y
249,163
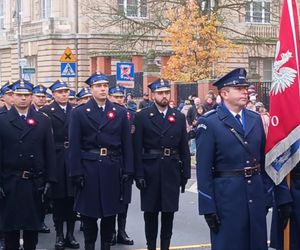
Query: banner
x,y
283,140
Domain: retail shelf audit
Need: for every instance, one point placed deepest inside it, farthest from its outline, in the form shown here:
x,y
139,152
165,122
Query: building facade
x,y
95,34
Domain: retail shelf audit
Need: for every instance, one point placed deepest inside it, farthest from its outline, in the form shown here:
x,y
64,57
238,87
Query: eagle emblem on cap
x,y
22,84
162,83
283,77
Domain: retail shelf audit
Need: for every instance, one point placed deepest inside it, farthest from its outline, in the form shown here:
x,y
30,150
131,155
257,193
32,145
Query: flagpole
x,y
286,233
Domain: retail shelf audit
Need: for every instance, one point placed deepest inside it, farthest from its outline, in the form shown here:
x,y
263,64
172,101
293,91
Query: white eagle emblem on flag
x,y
283,77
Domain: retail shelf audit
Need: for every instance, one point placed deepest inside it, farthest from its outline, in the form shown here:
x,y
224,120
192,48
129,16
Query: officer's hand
x,y
47,188
140,183
213,222
183,183
285,211
125,178
2,193
78,181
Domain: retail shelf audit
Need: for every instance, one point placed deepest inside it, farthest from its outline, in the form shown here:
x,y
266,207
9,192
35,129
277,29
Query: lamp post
x,y
18,18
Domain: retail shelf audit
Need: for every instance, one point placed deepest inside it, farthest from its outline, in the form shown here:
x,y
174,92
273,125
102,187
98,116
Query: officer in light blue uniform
x,y
233,189
84,95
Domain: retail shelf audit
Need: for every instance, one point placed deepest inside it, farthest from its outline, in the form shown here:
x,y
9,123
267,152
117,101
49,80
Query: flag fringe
x,y
278,150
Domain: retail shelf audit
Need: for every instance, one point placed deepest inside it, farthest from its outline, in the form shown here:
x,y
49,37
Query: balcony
x,y
263,31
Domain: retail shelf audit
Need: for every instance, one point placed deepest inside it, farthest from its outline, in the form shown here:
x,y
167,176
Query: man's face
x,y
61,96
235,96
73,101
162,98
39,101
83,100
100,91
119,99
8,98
22,101
197,102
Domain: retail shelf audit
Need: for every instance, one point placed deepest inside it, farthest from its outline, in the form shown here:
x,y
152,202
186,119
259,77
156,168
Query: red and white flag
x,y
283,140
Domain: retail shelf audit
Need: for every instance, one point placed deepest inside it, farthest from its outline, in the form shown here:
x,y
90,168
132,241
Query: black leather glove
x,y
125,178
140,183
285,211
78,181
213,222
47,189
2,193
183,182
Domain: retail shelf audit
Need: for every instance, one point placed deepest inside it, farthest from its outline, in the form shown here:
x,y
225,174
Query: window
x,y
133,8
258,11
46,8
261,68
1,14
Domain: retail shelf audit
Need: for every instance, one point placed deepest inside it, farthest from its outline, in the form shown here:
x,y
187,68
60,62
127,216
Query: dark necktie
x,y
238,118
23,117
162,115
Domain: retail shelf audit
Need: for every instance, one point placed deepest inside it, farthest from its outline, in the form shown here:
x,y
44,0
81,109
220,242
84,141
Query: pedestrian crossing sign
x,y
68,69
68,56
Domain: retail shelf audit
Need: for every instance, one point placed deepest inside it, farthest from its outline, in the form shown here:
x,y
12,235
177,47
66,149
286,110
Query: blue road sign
x,y
125,74
68,69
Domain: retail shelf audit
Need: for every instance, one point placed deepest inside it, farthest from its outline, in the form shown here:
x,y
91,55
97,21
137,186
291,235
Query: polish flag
x,y
283,139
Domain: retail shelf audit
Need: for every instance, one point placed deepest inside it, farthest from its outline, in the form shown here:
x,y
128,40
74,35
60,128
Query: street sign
x,y
68,56
28,71
68,69
23,62
125,74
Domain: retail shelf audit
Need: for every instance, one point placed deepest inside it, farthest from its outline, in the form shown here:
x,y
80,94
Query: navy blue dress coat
x,y
91,130
283,195
60,124
24,147
162,174
239,202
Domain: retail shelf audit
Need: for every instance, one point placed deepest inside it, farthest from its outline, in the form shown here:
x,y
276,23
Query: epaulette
x,y
253,112
139,110
119,105
79,105
208,113
43,113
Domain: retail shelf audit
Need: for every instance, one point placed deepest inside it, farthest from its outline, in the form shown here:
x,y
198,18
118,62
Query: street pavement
x,y
190,230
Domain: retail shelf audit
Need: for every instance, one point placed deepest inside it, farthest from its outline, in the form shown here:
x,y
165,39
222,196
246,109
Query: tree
x,y
197,43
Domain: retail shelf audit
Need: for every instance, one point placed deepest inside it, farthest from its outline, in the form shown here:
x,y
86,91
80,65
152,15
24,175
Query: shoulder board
x,y
252,112
42,113
139,110
207,114
78,106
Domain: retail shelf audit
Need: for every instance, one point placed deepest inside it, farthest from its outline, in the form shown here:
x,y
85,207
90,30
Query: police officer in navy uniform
x,y
62,192
84,95
39,96
27,168
233,189
72,98
162,162
286,207
101,161
117,95
6,96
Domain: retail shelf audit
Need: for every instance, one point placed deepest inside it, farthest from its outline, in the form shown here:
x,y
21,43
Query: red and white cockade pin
x,y
31,122
171,118
110,115
128,116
